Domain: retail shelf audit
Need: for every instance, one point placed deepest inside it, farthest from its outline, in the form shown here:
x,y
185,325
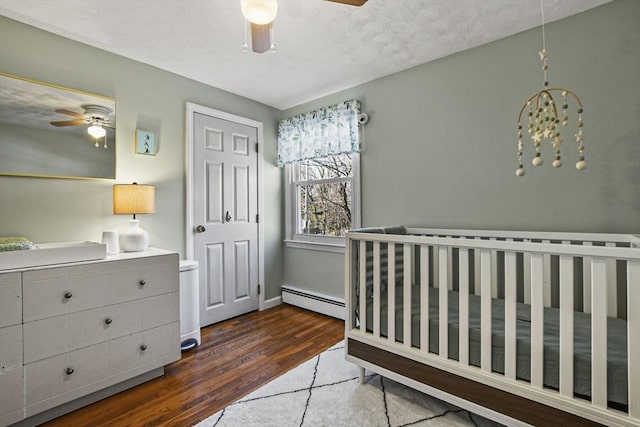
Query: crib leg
x,y
361,371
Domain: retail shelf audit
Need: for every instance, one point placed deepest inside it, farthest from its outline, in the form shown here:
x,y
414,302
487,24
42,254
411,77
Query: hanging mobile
x,y
543,118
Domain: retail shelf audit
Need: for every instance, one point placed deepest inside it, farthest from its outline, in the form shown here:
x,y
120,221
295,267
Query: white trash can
x,y
189,305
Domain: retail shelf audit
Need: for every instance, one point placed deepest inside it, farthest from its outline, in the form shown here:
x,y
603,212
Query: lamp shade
x,y
260,12
133,199
96,131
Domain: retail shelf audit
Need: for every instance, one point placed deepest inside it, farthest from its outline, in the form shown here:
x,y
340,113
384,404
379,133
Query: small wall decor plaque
x,y
145,142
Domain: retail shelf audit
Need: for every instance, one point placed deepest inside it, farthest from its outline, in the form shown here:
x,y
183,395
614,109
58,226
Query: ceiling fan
x,y
261,13
95,116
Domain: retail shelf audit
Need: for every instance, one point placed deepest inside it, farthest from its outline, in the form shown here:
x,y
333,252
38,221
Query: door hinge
x,y
259,289
257,218
256,147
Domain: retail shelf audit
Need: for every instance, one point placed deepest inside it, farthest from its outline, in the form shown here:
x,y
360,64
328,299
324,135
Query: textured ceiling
x,y
26,103
322,47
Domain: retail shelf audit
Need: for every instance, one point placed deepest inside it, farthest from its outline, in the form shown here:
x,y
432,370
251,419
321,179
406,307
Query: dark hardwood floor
x,y
236,357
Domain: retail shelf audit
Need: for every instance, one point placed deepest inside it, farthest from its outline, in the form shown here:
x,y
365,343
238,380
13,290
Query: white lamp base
x,y
135,239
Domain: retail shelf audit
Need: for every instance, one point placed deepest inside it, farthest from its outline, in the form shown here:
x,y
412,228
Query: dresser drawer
x,y
11,391
160,310
56,335
10,299
125,353
162,276
45,338
126,319
56,291
152,276
144,348
61,374
10,347
162,343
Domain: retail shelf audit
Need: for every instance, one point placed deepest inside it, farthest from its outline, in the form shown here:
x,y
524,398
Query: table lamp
x,y
133,199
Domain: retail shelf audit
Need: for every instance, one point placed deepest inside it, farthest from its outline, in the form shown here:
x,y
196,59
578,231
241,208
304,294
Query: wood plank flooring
x,y
236,357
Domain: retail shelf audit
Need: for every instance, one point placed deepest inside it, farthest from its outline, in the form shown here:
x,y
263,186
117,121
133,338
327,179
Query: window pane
x,y
324,209
327,167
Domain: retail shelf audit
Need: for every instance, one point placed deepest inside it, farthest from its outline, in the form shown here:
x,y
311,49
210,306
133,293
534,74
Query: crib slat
x,y
476,269
599,335
566,326
463,274
436,266
376,289
443,340
587,281
424,298
537,320
391,292
407,308
363,286
612,285
526,271
349,292
546,271
485,310
450,267
510,315
633,337
494,271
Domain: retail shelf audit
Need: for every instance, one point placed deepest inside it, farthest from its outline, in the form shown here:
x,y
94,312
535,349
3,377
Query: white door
x,y
225,222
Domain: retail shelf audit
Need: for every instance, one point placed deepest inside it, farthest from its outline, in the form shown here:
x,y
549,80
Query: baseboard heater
x,y
313,301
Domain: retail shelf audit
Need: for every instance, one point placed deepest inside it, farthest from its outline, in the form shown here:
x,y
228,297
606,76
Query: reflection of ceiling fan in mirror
x,y
94,116
261,13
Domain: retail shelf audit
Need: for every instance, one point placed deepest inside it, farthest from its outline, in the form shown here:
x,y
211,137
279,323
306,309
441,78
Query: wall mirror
x,y
53,131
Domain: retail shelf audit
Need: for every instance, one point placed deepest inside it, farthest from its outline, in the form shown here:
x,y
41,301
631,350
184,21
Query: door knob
x,y
200,229
227,217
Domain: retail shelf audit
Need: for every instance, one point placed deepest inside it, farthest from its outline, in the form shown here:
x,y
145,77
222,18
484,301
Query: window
x,y
320,153
323,201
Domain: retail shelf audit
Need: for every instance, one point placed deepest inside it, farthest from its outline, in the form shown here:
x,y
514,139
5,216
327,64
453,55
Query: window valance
x,y
320,133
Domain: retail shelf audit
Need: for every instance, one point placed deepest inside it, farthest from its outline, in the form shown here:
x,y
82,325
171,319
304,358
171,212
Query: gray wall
x,y
49,210
440,145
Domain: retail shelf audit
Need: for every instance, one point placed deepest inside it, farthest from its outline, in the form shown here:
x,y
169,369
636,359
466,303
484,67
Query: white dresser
x,y
73,330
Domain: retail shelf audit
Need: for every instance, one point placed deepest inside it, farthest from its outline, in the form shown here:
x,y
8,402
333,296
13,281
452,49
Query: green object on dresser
x,y
15,244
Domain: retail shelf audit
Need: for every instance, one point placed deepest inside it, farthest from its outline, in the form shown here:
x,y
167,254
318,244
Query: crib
x,y
524,328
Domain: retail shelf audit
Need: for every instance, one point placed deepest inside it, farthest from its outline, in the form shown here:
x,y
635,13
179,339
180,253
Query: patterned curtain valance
x,y
320,133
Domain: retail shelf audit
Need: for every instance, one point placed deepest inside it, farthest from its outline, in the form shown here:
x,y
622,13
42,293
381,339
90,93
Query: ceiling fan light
x,y
96,131
260,12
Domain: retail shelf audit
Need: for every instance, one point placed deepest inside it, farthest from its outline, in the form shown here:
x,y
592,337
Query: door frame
x,y
191,109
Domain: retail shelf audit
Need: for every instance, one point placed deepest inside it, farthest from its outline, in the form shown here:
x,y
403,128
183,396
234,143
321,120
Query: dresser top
x,y
149,252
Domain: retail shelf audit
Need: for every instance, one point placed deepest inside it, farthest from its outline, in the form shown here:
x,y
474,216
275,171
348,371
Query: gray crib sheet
x,y
616,333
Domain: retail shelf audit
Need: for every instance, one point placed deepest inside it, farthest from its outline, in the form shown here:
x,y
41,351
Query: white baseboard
x,y
313,301
273,302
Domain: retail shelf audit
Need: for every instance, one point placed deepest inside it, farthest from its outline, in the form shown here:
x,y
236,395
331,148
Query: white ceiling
x,y
322,47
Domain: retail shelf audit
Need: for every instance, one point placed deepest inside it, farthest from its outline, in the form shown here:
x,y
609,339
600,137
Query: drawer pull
x,y
143,347
108,321
69,371
68,295
142,283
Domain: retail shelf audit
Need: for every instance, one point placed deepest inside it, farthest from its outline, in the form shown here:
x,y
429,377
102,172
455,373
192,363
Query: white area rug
x,y
325,391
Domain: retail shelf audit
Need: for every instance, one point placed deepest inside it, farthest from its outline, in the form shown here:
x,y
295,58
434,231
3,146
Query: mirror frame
x,y
33,147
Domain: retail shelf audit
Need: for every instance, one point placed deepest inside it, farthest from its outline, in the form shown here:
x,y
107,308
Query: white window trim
x,y
319,243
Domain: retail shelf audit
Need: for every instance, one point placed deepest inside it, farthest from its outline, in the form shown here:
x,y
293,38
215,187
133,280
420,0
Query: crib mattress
x,y
616,342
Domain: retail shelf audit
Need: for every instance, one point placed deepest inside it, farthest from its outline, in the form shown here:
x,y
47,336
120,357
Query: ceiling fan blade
x,y
261,37
70,113
350,2
69,123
